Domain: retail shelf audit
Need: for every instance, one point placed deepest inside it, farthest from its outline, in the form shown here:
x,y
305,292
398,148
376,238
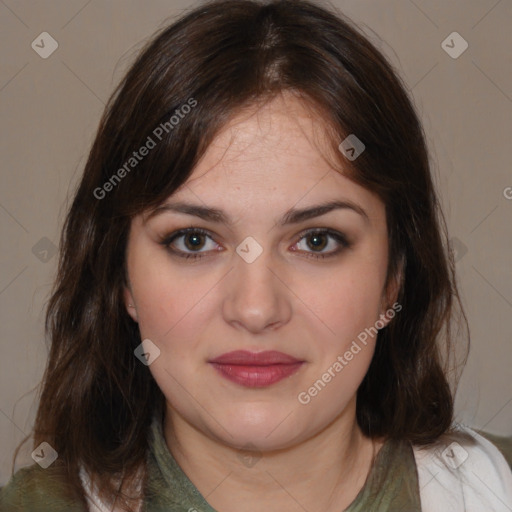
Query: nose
x,y
257,298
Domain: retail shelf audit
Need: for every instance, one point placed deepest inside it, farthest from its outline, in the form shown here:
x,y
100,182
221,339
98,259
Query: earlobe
x,y
130,304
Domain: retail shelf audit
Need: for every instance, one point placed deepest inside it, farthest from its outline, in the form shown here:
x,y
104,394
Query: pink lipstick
x,y
256,369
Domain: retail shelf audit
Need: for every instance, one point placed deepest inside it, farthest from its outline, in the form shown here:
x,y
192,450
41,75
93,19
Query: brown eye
x,y
193,240
318,240
187,243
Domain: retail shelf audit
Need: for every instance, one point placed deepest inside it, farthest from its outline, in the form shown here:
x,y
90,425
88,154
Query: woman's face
x,y
255,281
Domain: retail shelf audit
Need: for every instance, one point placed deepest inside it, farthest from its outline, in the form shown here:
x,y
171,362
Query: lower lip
x,y
256,376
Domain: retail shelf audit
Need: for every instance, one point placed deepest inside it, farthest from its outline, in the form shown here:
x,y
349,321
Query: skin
x,y
261,164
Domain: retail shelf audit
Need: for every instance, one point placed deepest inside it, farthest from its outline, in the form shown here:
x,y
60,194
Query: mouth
x,y
256,369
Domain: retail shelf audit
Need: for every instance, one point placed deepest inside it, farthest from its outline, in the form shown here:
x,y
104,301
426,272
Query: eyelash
x,y
339,237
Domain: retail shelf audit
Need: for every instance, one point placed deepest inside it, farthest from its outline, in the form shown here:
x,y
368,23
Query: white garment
x,y
93,501
452,476
456,477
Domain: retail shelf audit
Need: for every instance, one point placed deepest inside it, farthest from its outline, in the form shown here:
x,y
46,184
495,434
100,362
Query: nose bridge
x,y
253,264
256,297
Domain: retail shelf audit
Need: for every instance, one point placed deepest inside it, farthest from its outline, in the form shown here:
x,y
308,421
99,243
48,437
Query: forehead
x,y
279,140
270,158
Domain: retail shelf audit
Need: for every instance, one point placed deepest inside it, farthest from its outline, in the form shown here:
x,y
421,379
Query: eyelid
x,y
329,231
168,239
343,241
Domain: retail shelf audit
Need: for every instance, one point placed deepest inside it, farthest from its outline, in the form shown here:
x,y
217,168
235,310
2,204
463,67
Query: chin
x,y
265,430
259,440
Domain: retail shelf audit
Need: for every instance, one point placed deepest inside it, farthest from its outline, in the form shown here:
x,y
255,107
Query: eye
x,y
193,239
319,240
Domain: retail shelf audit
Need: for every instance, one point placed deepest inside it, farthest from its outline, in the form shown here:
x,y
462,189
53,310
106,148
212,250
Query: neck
x,y
321,473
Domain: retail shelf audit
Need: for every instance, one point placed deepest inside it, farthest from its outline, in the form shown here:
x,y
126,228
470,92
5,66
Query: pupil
x,y
195,241
315,244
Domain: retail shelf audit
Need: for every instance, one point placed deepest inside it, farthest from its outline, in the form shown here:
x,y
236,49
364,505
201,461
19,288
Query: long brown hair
x,y
97,400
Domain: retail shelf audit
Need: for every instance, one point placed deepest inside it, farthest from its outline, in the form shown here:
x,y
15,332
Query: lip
x,y
247,358
256,369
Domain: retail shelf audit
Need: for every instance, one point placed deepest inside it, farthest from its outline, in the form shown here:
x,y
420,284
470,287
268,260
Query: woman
x,y
254,302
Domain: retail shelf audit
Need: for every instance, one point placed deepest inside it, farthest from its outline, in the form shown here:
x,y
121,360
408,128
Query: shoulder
x,y
463,471
503,443
34,489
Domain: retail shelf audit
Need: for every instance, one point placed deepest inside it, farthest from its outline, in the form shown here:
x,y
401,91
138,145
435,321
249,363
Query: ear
x,y
391,293
130,303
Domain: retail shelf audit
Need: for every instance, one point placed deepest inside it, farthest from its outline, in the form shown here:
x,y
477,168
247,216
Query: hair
x,y
96,400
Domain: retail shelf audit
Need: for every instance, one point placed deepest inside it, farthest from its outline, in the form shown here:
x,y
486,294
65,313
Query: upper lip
x,y
247,358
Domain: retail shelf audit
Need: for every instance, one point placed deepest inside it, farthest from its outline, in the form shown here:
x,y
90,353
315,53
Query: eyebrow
x,y
292,216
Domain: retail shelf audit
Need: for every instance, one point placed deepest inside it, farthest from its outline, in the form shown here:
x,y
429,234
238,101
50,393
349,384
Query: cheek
x,y
349,305
167,299
347,301
171,309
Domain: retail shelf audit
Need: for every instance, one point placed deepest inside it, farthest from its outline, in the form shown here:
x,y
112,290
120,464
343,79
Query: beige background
x,y
50,109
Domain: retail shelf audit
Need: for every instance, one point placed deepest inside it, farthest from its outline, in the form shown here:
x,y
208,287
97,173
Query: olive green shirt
x,y
391,485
